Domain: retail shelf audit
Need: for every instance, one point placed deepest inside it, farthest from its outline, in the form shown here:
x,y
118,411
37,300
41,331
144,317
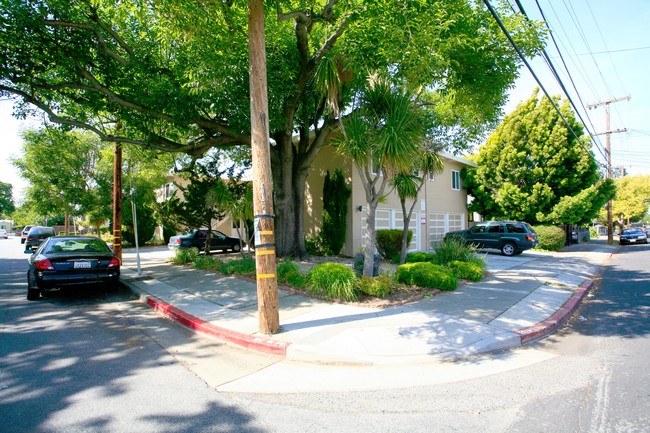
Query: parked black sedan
x,y
633,236
196,239
65,261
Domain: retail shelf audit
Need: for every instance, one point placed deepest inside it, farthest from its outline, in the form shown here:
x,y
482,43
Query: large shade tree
x,y
632,198
173,75
536,168
61,168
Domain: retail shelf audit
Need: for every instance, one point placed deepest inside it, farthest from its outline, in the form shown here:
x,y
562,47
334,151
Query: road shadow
x,y
619,304
56,366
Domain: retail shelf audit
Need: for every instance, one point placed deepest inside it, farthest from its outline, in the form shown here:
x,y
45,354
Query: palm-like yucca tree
x,y
383,135
408,186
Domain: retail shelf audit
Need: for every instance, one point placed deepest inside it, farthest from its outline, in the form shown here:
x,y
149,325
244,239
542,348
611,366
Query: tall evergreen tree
x,y
534,166
335,211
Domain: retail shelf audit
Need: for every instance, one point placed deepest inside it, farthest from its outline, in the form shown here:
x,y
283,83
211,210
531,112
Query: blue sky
x,y
606,47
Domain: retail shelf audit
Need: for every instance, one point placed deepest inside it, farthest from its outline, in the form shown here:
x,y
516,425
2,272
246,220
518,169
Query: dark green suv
x,y
509,237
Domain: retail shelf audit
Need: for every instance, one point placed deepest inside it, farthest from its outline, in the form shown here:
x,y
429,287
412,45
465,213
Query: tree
x,y
335,210
208,197
632,198
60,167
383,137
409,184
7,206
174,75
535,168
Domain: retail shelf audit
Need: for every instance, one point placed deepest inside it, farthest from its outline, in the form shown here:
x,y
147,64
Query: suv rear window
x,y
516,228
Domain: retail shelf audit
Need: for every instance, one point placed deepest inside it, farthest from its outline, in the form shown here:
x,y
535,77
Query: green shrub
x,y
466,270
429,275
453,248
550,238
379,286
389,242
208,263
420,256
245,267
315,247
333,281
593,233
289,274
184,257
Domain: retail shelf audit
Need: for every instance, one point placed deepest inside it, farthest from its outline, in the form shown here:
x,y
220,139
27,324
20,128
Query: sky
x,y
605,46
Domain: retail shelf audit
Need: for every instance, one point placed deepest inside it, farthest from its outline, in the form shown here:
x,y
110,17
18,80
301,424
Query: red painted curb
x,y
551,324
265,345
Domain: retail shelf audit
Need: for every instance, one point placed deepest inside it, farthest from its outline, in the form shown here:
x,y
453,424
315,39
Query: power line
x,y
597,142
523,58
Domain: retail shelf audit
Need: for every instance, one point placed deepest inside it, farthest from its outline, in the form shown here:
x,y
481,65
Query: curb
x,y
260,344
557,319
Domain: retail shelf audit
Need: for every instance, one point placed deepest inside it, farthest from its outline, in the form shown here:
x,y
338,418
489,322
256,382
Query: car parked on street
x,y
71,261
3,234
196,239
36,235
633,236
509,237
23,233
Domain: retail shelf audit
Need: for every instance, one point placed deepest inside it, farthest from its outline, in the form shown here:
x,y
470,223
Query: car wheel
x,y
33,292
236,248
508,249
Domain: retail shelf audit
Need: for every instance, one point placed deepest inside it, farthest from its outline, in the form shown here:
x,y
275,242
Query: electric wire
x,y
596,140
525,61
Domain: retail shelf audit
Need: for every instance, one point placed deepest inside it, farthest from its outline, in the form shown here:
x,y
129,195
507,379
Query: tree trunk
x,y
290,164
370,242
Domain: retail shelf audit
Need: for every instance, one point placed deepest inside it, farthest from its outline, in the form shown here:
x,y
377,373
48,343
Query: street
x,y
92,362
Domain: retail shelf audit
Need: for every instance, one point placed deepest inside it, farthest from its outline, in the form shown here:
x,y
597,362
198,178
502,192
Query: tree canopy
x,y
632,198
538,169
7,206
173,76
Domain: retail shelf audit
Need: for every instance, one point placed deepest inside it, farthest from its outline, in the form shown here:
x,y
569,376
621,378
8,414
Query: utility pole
x,y
608,151
117,201
267,282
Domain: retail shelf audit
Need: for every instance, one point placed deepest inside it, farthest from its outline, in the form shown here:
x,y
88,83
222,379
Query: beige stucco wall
x,y
437,202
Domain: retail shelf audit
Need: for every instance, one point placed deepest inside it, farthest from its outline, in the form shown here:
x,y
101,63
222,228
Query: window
x,y
455,179
495,228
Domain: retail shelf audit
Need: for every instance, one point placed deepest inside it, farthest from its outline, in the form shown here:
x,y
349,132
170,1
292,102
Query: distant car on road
x,y
23,233
69,261
633,236
509,237
3,234
36,235
196,239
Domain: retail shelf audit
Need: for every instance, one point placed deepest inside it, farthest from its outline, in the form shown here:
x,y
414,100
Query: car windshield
x,y
92,245
632,231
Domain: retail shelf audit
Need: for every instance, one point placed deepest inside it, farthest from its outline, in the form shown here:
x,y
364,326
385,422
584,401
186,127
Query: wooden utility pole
x,y
267,282
117,201
608,151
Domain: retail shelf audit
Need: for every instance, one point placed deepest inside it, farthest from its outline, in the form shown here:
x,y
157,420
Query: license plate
x,y
81,265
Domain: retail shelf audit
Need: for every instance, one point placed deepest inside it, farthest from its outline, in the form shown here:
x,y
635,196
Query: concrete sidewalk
x,y
524,298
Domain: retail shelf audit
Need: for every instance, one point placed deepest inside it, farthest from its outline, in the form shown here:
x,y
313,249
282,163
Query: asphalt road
x,y
85,361
93,362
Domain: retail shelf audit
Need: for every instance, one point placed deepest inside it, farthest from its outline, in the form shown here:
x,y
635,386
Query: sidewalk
x,y
524,298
